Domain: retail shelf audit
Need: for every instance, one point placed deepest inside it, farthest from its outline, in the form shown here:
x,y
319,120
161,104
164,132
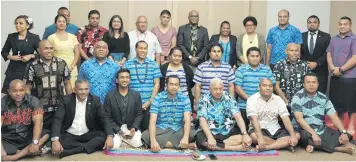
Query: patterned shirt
x,y
290,75
280,38
101,78
47,81
88,37
182,79
193,47
249,79
142,76
18,120
218,114
313,108
206,72
226,48
342,49
170,111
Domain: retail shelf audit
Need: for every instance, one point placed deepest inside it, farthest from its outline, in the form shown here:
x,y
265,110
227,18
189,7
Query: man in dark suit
x,y
78,122
193,40
124,107
313,50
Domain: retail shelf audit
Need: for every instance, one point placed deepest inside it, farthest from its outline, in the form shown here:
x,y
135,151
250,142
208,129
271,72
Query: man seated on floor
x,y
124,108
310,107
77,124
263,110
218,130
169,124
21,123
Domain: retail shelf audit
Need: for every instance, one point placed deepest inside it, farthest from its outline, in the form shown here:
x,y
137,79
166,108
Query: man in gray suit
x,y
193,40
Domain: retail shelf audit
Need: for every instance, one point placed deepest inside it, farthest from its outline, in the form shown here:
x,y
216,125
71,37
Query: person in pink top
x,y
166,34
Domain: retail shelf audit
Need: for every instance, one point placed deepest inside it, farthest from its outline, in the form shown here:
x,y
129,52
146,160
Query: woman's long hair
x,y
111,30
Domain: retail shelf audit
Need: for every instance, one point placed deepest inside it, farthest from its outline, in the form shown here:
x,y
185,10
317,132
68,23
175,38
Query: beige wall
x,y
339,9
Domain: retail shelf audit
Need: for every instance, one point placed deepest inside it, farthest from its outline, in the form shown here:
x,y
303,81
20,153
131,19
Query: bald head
x,y
17,90
16,82
292,50
141,23
101,50
46,50
283,17
193,17
284,11
292,45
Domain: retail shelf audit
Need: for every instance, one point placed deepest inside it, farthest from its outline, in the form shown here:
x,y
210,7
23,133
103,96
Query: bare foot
x,y
350,150
192,146
9,158
309,149
258,149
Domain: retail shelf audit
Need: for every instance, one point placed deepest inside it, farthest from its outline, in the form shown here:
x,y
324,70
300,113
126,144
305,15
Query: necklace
x,y
146,71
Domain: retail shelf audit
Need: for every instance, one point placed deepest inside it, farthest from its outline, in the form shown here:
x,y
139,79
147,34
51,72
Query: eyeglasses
x,y
194,16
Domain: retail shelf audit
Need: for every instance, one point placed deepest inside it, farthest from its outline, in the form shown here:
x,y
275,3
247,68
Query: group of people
x,y
163,88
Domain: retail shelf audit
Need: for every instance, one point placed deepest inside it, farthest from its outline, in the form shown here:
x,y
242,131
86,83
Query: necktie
x,y
311,43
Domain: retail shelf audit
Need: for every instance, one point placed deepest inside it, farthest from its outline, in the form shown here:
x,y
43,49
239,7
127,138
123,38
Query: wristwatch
x,y
244,133
54,138
35,142
33,56
341,70
190,56
343,131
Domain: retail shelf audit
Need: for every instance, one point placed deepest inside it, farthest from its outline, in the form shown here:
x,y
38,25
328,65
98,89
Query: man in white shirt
x,y
77,124
263,110
141,33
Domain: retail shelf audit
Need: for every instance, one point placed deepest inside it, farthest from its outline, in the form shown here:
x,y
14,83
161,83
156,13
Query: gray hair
x,y
216,81
263,79
79,81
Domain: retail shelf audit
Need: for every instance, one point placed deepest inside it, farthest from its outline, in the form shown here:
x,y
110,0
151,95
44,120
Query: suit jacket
x,y
95,116
113,106
319,54
184,42
233,54
261,46
28,47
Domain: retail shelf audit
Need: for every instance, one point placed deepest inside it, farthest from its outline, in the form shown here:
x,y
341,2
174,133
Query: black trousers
x,y
323,84
88,142
145,120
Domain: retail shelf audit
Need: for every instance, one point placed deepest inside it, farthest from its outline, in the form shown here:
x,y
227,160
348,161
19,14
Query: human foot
x,y
309,149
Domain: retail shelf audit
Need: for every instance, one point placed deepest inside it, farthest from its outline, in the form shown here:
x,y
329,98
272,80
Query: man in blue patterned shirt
x,y
218,116
279,36
145,77
310,107
170,119
99,71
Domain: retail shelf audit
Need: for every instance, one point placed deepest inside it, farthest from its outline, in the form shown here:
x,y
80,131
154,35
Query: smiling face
x,y
116,23
61,23
141,24
176,57
292,52
141,50
46,50
344,26
250,27
254,58
17,90
123,80
193,17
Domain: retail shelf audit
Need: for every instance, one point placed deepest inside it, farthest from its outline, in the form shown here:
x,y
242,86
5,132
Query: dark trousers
x,y
88,142
48,119
323,84
145,120
245,118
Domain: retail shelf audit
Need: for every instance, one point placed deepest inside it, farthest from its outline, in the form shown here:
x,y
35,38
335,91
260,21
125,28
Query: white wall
x,y
42,13
299,13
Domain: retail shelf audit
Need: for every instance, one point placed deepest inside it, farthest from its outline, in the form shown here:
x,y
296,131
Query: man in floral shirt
x,y
90,34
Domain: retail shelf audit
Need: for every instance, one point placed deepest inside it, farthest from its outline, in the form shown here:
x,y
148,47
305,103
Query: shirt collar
x,y
88,27
77,101
139,33
165,95
347,35
191,26
96,60
144,61
272,97
224,96
249,67
211,63
288,62
287,27
53,60
10,100
307,95
316,32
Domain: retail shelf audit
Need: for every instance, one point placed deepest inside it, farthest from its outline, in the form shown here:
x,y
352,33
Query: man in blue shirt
x,y
279,36
71,28
99,71
170,119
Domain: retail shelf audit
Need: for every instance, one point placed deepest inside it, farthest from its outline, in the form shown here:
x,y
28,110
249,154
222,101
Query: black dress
x,y
16,69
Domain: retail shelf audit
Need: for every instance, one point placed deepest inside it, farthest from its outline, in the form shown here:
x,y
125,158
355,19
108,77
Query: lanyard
x,y
138,37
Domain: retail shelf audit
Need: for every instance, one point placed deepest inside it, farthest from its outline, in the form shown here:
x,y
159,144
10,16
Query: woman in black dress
x,y
23,45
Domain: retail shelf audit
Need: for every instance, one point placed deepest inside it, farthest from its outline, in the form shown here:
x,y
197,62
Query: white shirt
x,y
314,38
79,126
267,112
149,38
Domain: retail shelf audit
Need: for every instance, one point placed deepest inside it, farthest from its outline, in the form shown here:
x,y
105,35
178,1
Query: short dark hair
x,y
57,17
315,17
225,22
79,81
172,76
122,70
61,8
141,41
253,49
250,18
93,12
30,23
216,44
346,18
310,74
166,12
174,49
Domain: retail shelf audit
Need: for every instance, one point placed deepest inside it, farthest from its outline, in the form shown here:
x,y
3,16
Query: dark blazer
x,y
184,42
189,78
14,44
319,54
113,107
95,116
233,54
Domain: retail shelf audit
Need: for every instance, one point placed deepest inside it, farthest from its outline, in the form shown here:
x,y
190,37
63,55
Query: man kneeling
x,y
21,123
263,109
218,130
170,110
310,107
76,125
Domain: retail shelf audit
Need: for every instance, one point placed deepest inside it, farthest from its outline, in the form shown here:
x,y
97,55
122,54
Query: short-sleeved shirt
x,y
249,79
182,79
206,72
170,112
314,108
88,37
18,120
290,75
342,49
71,28
142,76
101,78
218,114
267,112
165,39
151,39
280,38
47,81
